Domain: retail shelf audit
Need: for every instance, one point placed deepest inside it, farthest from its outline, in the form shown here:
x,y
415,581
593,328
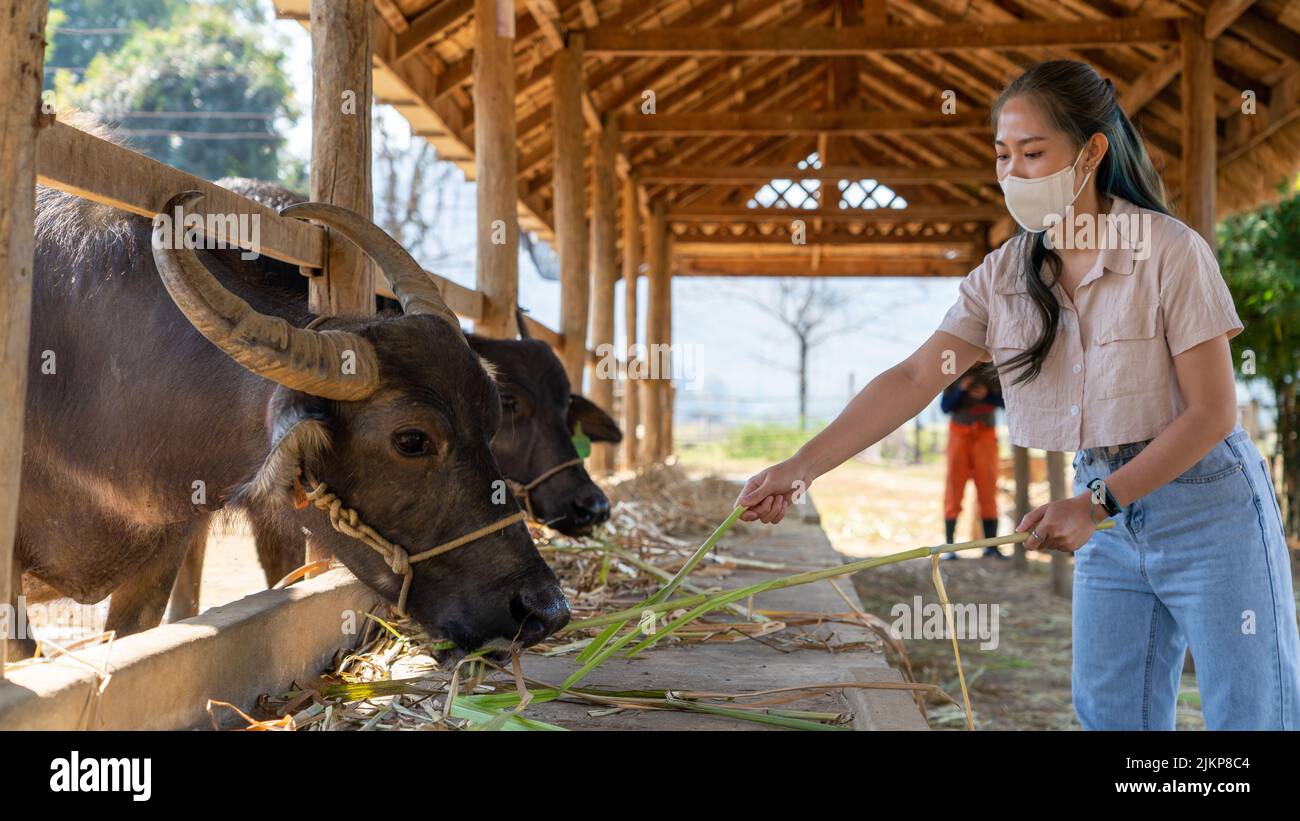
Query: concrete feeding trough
x,y
162,679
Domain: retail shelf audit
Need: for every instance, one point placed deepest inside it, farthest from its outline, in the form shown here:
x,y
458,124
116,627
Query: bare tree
x,y
814,312
416,191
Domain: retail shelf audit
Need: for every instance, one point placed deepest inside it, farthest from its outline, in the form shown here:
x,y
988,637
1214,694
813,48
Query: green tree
x,y
77,31
1259,254
202,90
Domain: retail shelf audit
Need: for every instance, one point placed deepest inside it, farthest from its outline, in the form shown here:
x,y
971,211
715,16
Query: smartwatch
x,y
1102,496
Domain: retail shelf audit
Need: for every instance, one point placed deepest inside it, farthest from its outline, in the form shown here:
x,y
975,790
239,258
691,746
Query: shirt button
x,y
1077,367
1074,410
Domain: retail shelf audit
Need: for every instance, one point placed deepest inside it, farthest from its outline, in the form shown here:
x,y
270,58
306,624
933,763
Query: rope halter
x,y
348,522
522,491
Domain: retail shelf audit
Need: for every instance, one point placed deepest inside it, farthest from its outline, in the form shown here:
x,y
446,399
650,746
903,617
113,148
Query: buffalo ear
x,y
300,435
596,424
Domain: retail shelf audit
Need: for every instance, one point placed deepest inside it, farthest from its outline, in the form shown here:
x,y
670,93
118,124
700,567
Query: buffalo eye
x,y
412,442
509,404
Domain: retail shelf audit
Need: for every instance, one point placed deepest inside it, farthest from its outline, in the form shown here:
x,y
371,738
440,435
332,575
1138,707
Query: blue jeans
x,y
1201,561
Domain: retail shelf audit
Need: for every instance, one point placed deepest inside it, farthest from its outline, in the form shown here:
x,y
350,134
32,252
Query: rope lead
x,y
348,522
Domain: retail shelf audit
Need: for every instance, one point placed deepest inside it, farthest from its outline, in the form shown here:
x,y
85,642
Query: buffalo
x,y
533,444
167,386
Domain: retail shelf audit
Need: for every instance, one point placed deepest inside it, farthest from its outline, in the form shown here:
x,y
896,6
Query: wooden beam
x,y
1199,138
430,23
92,168
1247,131
708,124
87,166
830,42
740,174
793,266
912,213
1259,31
571,207
1218,17
1147,87
631,265
22,57
340,148
691,241
652,409
495,162
1223,13
604,273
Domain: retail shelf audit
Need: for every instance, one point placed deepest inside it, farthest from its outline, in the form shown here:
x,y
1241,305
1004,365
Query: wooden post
x,y
604,273
22,58
631,262
1020,462
667,390
495,166
1062,568
340,158
1199,136
652,410
571,207
340,146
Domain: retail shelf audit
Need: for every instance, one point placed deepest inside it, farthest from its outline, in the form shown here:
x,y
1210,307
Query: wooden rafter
x,y
869,39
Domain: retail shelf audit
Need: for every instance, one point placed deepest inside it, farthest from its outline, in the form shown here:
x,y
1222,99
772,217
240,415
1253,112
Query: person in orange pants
x,y
972,402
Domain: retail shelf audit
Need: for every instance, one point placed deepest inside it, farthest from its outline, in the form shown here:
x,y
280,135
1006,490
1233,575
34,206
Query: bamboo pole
x,y
631,263
496,164
604,273
22,58
1198,128
652,410
571,207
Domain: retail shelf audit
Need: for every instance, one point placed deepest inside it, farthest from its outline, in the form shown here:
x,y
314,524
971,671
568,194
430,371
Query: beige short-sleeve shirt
x,y
1109,377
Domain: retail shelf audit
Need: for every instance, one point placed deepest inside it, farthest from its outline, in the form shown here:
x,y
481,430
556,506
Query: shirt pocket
x,y
1130,353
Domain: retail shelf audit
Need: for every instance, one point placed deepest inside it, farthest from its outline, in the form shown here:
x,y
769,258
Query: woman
x,y
1117,345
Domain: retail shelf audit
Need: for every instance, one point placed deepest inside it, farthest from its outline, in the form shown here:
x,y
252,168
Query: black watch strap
x,y
1105,498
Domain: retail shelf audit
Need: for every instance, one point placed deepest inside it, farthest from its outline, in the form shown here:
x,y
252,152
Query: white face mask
x,y
1032,202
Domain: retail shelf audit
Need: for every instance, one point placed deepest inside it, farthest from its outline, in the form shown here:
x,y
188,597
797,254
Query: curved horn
x,y
411,285
520,324
307,361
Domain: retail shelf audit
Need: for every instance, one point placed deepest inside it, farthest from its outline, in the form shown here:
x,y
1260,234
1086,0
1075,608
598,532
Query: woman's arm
x,y
1205,377
886,402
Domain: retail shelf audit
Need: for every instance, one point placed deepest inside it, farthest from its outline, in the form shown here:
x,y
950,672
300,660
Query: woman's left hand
x,y
1064,525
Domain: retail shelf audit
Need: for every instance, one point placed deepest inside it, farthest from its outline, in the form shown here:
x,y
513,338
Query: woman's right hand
x,y
769,493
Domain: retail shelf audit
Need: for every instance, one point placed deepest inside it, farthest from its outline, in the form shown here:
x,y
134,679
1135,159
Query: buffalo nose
x,y
590,507
540,613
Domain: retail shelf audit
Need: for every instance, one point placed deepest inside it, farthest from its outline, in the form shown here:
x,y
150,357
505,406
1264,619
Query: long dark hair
x,y
1079,103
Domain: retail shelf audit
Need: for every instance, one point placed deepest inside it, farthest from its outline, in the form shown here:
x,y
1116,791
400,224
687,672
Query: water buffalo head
x,y
401,437
540,415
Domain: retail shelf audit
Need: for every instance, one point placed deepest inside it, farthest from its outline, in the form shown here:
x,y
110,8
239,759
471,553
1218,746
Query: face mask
x,y
1032,201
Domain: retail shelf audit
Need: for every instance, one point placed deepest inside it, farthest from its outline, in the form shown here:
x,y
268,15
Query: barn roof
x,y
763,107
